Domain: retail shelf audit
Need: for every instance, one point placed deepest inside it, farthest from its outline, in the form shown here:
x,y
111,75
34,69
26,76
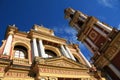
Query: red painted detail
x,y
4,47
30,55
116,61
101,29
10,52
100,41
1,51
93,35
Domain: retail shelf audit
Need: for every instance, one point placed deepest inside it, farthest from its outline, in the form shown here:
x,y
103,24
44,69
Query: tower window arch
x,y
20,52
50,54
77,60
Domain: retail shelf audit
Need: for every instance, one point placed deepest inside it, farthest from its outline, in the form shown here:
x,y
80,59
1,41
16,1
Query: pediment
x,y
64,62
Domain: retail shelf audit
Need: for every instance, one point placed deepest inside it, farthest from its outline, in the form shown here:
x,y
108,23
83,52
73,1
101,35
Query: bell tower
x,y
93,33
99,38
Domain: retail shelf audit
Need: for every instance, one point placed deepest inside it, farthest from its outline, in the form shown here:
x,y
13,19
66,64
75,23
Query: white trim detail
x,y
87,62
64,52
82,19
104,26
8,45
70,54
99,31
35,49
82,15
42,50
91,43
115,70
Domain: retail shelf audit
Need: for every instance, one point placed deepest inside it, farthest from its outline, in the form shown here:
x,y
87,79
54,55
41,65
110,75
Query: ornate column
x,y
8,44
35,49
64,51
70,54
115,70
41,48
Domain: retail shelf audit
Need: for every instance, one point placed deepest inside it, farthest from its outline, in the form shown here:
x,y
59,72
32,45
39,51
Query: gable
x,y
62,62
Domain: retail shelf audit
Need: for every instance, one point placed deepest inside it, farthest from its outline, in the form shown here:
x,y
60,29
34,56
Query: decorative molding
x,y
62,71
54,49
20,61
110,53
48,37
22,39
93,35
60,62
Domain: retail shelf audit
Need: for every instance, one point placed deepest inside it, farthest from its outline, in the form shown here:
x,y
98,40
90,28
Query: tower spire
x,y
100,38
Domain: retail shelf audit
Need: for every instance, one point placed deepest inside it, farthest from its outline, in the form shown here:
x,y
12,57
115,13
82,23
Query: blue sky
x,y
50,13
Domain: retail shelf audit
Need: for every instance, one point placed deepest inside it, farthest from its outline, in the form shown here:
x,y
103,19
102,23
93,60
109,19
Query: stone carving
x,y
64,63
16,74
61,71
110,52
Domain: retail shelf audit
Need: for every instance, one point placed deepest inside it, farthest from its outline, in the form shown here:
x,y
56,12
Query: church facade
x,y
40,55
101,39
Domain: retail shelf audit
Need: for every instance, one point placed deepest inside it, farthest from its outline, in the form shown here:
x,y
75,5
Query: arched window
x,y
50,53
20,52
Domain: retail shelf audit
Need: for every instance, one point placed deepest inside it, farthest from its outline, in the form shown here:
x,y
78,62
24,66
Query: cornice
x,y
43,36
110,53
11,30
23,34
54,62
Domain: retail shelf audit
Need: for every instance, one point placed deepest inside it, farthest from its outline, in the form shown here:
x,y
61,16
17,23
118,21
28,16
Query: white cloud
x,y
67,33
118,27
108,3
101,18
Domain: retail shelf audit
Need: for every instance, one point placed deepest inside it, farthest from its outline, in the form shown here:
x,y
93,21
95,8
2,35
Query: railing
x,y
20,61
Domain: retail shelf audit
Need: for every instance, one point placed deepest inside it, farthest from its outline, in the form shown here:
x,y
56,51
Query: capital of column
x,y
11,31
39,39
33,38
